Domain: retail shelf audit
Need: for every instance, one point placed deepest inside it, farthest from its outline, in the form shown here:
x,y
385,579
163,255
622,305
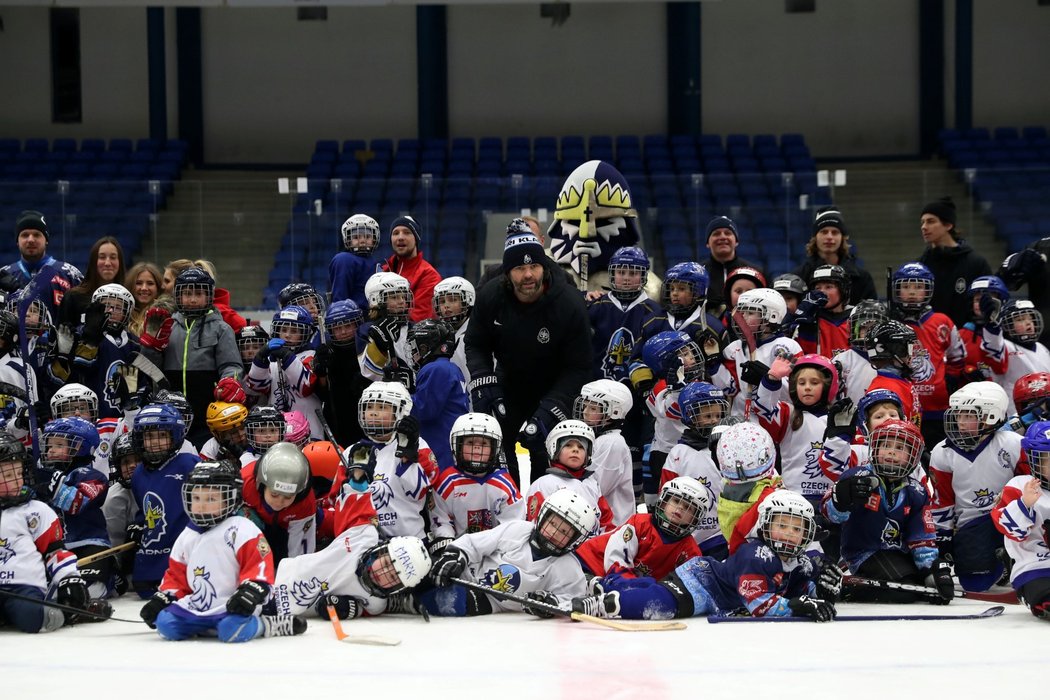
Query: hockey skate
x,y
605,606
282,625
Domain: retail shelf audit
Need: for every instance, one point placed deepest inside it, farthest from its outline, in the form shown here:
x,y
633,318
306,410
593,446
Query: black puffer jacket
x,y
953,270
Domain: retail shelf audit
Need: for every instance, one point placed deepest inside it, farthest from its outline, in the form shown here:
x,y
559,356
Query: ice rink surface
x,y
514,656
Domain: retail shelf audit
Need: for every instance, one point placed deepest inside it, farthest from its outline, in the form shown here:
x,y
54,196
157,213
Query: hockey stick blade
x,y
994,611
375,640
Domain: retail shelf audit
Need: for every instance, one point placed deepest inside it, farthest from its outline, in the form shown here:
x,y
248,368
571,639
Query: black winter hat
x,y
409,223
30,219
721,222
829,216
943,209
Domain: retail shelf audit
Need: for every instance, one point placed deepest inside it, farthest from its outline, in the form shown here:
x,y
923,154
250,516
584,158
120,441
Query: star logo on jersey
x,y
480,520
203,596
504,578
621,344
5,551
983,498
154,518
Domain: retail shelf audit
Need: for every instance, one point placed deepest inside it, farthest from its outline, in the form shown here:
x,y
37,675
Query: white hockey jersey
x,y
30,547
684,460
799,449
662,402
466,503
736,354
289,389
1021,361
855,373
399,492
966,486
613,470
1023,529
587,489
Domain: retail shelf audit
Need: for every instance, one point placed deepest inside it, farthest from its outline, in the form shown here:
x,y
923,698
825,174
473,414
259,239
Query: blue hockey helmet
x,y
341,321
694,399
152,420
913,273
877,396
294,322
629,259
68,442
990,284
668,351
689,273
1036,445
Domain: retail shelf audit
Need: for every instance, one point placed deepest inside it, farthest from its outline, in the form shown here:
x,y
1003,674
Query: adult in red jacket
x,y
408,262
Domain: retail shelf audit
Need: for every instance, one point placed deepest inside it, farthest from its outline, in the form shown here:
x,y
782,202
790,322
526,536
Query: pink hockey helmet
x,y
824,365
297,428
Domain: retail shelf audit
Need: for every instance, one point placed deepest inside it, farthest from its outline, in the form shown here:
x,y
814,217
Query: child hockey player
x,y
305,297
983,335
798,426
702,407
229,440
624,316
1031,397
104,345
339,380
453,299
569,444
649,544
221,568
1022,325
891,351
250,340
263,428
855,370
821,323
476,494
520,557
746,459
351,267
296,429
968,469
281,370
769,576
792,288
843,447
36,563
439,397
279,500
1022,514
77,490
887,530
77,401
738,281
604,405
157,435
386,352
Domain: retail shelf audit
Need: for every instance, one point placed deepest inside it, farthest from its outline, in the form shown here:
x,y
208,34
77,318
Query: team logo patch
x,y
505,578
480,520
203,596
891,533
263,547
628,534
983,498
154,517
5,552
960,285
751,587
544,336
33,522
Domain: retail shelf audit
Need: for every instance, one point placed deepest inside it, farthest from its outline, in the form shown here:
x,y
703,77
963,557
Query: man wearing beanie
x,y
528,347
722,241
952,261
408,262
47,278
830,246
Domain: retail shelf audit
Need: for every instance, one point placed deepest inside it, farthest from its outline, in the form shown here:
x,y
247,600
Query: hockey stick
x,y
319,412
752,347
1009,598
150,370
994,611
370,639
92,558
64,608
27,373
621,625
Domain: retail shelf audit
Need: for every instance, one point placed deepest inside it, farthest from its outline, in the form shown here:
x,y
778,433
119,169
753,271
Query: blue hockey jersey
x,y
158,495
439,400
617,332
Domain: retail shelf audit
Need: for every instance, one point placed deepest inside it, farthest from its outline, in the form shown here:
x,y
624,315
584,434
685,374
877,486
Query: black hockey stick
x,y
331,438
1009,597
994,611
64,608
621,625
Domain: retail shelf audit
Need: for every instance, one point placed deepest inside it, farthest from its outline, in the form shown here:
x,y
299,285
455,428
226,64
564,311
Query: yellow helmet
x,y
222,416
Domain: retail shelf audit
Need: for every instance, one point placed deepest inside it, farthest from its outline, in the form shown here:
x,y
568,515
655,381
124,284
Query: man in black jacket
x,y
528,349
722,241
954,264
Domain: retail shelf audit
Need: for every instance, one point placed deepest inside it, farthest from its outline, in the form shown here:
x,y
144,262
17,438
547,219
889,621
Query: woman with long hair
x,y
144,280
105,266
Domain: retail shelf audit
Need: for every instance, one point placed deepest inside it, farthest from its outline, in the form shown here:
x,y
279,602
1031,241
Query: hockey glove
x,y
841,418
991,309
449,565
94,323
154,605
407,439
940,577
133,533
642,378
829,582
486,396
230,390
814,608
854,491
53,483
9,282
278,351
547,415
544,598
248,596
1022,266
435,547
753,372
383,333
156,331
64,339
402,375
73,592
322,360
346,607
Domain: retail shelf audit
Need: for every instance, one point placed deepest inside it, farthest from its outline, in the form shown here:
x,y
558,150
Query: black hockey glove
x,y
407,439
73,591
853,491
449,565
991,309
642,378
547,415
94,323
9,282
346,607
54,482
278,351
248,596
1020,267
402,375
753,372
829,582
322,360
486,396
814,608
841,417
435,547
543,597
940,577
384,333
133,533
154,605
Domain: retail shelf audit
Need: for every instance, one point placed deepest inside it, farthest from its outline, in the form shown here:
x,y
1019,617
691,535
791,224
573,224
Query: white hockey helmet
x,y
678,494
569,430
393,394
283,469
769,304
118,302
409,563
974,411
360,234
454,287
611,397
475,425
563,507
795,512
745,452
75,400
381,286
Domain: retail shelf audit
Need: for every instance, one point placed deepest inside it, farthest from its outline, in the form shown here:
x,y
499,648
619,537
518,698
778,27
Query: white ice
x,y
516,656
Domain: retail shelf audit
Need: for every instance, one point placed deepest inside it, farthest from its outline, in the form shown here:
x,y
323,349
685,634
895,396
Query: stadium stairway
x,y
882,203
235,219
